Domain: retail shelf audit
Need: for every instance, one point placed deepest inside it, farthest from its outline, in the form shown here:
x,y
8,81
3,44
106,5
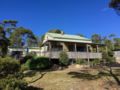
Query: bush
x,y
95,62
10,76
8,65
39,63
26,58
63,57
81,61
24,67
12,83
108,57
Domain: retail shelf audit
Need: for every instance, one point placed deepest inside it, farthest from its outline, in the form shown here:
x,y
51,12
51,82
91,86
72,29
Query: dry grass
x,y
63,80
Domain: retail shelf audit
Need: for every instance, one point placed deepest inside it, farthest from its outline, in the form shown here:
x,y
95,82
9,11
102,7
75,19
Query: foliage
x,y
117,43
12,83
20,36
56,31
63,57
81,35
96,38
26,58
37,63
4,42
115,4
25,66
95,62
10,76
108,56
8,65
80,61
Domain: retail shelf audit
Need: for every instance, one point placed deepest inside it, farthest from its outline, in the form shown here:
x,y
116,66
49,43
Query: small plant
x,y
108,57
81,61
95,62
63,57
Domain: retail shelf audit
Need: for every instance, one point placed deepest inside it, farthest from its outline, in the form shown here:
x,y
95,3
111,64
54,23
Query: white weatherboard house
x,y
74,45
117,56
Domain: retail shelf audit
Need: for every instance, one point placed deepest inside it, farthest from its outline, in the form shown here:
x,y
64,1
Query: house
x,y
74,45
117,55
21,52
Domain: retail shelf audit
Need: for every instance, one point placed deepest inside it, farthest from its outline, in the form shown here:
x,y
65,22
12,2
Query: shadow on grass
x,y
88,76
85,76
42,74
33,88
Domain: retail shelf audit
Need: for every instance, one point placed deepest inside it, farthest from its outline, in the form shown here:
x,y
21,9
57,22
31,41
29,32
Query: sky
x,y
85,17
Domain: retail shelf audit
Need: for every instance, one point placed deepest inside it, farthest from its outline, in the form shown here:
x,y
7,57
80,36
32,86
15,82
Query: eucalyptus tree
x,y
96,38
4,42
115,4
9,26
22,37
80,35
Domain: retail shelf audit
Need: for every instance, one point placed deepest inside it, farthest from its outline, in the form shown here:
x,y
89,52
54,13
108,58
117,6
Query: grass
x,y
75,79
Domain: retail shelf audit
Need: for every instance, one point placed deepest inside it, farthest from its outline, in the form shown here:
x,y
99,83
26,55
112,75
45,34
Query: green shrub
x,y
63,57
39,63
95,62
108,57
26,58
81,61
24,67
12,83
8,65
10,76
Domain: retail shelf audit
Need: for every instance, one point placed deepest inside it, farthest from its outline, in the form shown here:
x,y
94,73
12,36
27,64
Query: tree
x,y
4,42
63,57
81,35
9,26
96,38
21,36
115,4
56,31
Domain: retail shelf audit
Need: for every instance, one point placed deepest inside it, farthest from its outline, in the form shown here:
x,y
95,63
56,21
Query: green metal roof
x,y
67,38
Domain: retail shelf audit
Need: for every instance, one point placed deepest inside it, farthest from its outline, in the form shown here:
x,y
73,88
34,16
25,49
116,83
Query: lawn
x,y
73,78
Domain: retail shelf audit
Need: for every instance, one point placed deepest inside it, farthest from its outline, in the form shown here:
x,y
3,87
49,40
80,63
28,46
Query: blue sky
x,y
73,16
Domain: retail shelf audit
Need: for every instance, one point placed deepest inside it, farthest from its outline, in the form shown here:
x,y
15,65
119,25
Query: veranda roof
x,y
65,38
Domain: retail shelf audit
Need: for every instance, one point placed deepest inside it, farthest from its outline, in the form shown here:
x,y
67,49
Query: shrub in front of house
x,y
95,62
39,63
26,58
108,57
63,58
81,61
